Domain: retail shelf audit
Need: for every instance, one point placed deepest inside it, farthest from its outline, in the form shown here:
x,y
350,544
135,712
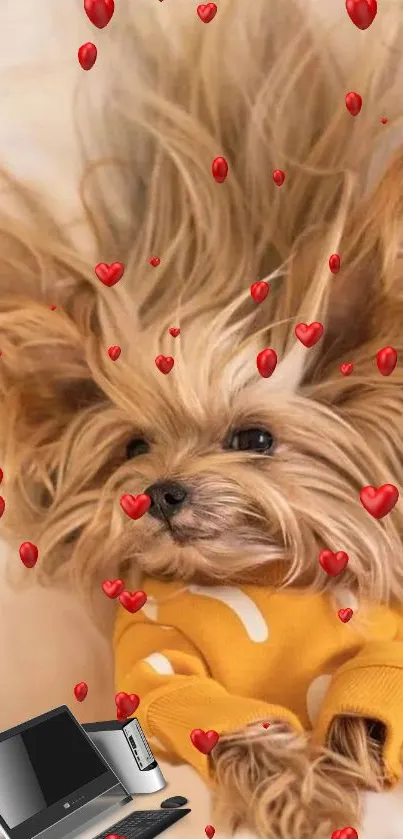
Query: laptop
x,y
54,784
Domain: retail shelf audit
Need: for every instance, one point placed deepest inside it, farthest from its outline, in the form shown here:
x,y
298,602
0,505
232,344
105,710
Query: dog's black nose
x,y
167,498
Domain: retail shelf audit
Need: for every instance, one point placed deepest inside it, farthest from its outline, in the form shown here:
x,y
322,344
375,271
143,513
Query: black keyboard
x,y
144,824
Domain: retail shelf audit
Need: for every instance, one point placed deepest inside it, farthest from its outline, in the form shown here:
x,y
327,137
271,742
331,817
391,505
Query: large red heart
x,y
259,291
204,741
110,274
209,831
207,11
164,363
87,55
266,362
379,501
28,554
386,360
127,703
112,588
80,691
132,601
135,506
219,166
333,563
345,833
362,13
345,615
99,11
309,333
114,352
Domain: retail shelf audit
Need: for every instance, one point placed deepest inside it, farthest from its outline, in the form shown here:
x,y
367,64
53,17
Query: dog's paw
x,y
268,780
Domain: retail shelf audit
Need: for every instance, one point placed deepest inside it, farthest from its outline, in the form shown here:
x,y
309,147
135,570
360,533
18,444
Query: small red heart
x,y
353,103
309,333
1,475
52,307
386,360
278,177
209,831
334,263
259,291
154,261
362,13
384,120
132,601
28,554
266,362
99,11
127,703
207,11
80,691
379,501
346,368
219,169
112,588
2,505
345,833
204,741
110,274
135,506
265,724
174,331
164,363
87,55
333,563
345,615
114,352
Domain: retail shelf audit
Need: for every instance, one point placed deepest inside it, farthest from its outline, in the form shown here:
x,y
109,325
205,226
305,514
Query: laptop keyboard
x,y
144,824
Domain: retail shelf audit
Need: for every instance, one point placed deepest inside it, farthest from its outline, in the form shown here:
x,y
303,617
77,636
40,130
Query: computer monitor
x,y
49,770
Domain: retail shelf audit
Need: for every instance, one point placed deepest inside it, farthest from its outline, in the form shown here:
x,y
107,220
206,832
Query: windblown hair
x,y
261,87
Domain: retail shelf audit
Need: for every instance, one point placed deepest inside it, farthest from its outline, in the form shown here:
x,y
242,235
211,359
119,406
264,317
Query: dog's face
x,y
242,471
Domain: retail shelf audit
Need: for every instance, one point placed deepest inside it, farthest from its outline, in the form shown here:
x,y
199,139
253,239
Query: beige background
x,y
47,643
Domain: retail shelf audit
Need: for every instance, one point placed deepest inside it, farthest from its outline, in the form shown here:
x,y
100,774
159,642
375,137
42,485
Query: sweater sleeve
x,y
177,693
370,685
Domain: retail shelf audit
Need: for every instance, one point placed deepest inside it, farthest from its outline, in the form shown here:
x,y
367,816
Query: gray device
x,y
54,783
126,750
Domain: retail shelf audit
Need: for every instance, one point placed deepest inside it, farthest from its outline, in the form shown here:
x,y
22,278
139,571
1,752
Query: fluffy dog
x,y
258,86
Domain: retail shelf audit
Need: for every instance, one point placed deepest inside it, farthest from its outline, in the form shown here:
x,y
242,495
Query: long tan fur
x,y
260,86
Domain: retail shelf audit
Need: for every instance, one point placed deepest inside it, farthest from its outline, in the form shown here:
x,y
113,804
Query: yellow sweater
x,y
223,657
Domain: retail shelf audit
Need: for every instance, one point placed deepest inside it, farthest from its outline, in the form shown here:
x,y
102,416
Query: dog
x,y
260,88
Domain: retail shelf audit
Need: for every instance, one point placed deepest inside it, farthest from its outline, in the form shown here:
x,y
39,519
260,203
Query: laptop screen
x,y
44,763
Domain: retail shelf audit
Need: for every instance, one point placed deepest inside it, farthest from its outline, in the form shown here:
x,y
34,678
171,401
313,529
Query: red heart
x,y
345,615
2,505
127,703
110,274
28,554
99,11
362,13
132,601
345,833
112,588
333,563
164,363
353,103
174,331
135,506
87,55
266,362
278,177
259,291
379,501
386,360
347,368
114,352
309,333
52,307
207,11
204,741
154,261
384,120
334,263
265,724
80,691
209,831
219,166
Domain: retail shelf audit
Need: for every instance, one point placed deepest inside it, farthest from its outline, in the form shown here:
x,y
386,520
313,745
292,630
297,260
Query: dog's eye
x,y
136,447
251,440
